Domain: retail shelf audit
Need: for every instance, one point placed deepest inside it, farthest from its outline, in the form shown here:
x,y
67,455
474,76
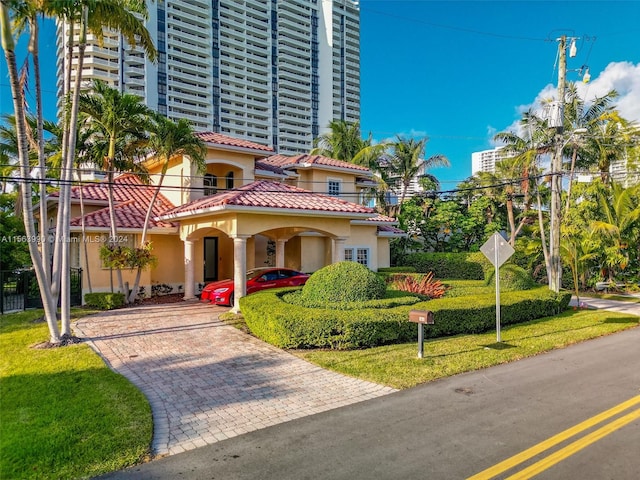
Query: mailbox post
x,y
422,318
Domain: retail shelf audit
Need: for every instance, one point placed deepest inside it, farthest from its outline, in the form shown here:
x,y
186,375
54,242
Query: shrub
x,y
462,266
406,269
512,277
343,282
104,300
293,326
420,284
392,299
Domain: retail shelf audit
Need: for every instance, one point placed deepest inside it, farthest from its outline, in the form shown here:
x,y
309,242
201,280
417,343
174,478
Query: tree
x,y
8,45
406,163
119,122
168,140
619,228
344,142
579,116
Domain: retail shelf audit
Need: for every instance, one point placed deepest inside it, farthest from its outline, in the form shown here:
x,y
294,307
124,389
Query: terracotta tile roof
x,y
131,199
382,218
284,161
221,139
260,165
271,195
388,229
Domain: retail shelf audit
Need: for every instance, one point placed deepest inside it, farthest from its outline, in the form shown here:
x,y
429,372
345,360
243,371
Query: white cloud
x,y
624,77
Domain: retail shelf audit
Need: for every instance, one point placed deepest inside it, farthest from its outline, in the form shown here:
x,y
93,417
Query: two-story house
x,y
249,209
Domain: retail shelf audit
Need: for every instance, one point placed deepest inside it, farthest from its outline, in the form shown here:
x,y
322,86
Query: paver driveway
x,y
207,381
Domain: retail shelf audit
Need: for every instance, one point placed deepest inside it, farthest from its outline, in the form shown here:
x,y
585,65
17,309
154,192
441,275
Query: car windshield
x,y
256,272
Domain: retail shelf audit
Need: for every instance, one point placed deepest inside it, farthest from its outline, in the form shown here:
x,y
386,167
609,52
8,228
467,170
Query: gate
x,y
19,290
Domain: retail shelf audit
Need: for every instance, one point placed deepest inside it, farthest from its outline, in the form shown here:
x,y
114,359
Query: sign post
x,y
498,251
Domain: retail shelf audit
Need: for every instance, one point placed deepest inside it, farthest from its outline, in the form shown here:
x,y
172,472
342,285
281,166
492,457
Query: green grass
x,y
398,366
63,413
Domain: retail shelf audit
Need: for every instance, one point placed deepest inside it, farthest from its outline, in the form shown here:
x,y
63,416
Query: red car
x,y
221,292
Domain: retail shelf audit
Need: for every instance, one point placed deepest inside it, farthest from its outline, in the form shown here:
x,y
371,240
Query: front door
x,y
210,259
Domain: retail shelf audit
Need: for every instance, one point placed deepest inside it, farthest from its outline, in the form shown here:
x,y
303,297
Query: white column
x,y
280,252
239,270
338,249
189,275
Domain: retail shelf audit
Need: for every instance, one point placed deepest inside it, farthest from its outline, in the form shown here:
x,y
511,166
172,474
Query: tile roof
x,y
284,161
221,139
271,195
260,165
131,198
391,230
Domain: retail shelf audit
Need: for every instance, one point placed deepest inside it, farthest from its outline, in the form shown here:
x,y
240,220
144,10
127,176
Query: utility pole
x,y
555,275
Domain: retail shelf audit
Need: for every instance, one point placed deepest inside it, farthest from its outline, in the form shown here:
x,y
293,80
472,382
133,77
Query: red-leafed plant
x,y
422,285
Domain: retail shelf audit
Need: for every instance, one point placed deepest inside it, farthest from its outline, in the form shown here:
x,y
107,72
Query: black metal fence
x,y
19,290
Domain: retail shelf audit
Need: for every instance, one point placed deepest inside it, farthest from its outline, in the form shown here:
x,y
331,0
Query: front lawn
x,y
63,412
398,366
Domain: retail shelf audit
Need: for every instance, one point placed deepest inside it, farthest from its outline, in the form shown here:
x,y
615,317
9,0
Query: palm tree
x,y
8,45
343,142
619,229
589,119
168,140
119,122
406,163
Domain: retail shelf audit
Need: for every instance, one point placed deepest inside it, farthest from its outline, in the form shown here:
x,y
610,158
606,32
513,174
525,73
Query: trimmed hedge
x,y
512,277
459,266
104,300
394,298
292,326
342,282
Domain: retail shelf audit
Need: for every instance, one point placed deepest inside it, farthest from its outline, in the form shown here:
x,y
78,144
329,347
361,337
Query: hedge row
x,y
292,326
460,266
104,301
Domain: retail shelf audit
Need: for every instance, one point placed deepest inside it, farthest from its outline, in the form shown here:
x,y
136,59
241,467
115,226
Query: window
x,y
359,255
229,181
210,183
334,187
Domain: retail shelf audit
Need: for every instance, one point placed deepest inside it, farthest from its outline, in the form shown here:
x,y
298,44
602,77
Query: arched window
x,y
229,181
210,183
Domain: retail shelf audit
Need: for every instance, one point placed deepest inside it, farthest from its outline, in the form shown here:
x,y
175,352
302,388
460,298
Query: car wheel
x,y
231,300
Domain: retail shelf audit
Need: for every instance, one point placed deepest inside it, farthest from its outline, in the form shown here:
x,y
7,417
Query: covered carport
x,y
277,211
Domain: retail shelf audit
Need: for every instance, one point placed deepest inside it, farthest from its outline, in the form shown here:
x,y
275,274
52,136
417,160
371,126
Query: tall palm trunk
x,y
143,239
65,304
112,212
44,221
84,234
8,46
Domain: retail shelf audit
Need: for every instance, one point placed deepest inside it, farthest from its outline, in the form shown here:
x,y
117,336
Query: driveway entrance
x,y
207,381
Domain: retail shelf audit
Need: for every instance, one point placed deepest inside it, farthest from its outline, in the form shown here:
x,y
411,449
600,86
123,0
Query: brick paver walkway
x,y
207,381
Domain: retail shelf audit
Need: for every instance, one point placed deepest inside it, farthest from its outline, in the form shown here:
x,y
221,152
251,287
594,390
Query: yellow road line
x,y
550,442
574,447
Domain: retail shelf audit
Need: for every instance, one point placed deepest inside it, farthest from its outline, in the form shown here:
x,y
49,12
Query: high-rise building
x,y
270,71
485,161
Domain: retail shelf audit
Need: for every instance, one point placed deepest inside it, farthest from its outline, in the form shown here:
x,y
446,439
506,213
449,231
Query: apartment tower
x,y
271,71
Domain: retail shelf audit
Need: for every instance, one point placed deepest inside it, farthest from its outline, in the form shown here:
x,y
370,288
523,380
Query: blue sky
x,y
459,71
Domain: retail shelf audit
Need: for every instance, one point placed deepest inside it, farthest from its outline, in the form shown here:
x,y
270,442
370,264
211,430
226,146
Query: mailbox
x,y
421,316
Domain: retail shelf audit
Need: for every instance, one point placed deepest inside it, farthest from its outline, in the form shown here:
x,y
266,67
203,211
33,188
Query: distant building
x,y
268,71
485,161
624,172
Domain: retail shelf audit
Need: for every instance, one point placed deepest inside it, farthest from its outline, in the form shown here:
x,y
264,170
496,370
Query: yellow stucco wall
x,y
317,181
316,252
384,253
364,236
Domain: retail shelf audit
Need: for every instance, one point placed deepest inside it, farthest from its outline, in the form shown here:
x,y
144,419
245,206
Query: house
x,y
250,208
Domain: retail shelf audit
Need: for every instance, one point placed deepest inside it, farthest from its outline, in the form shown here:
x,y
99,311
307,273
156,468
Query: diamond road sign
x,y
497,250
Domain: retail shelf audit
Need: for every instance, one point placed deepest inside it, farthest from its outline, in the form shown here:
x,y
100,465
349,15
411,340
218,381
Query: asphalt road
x,y
450,429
